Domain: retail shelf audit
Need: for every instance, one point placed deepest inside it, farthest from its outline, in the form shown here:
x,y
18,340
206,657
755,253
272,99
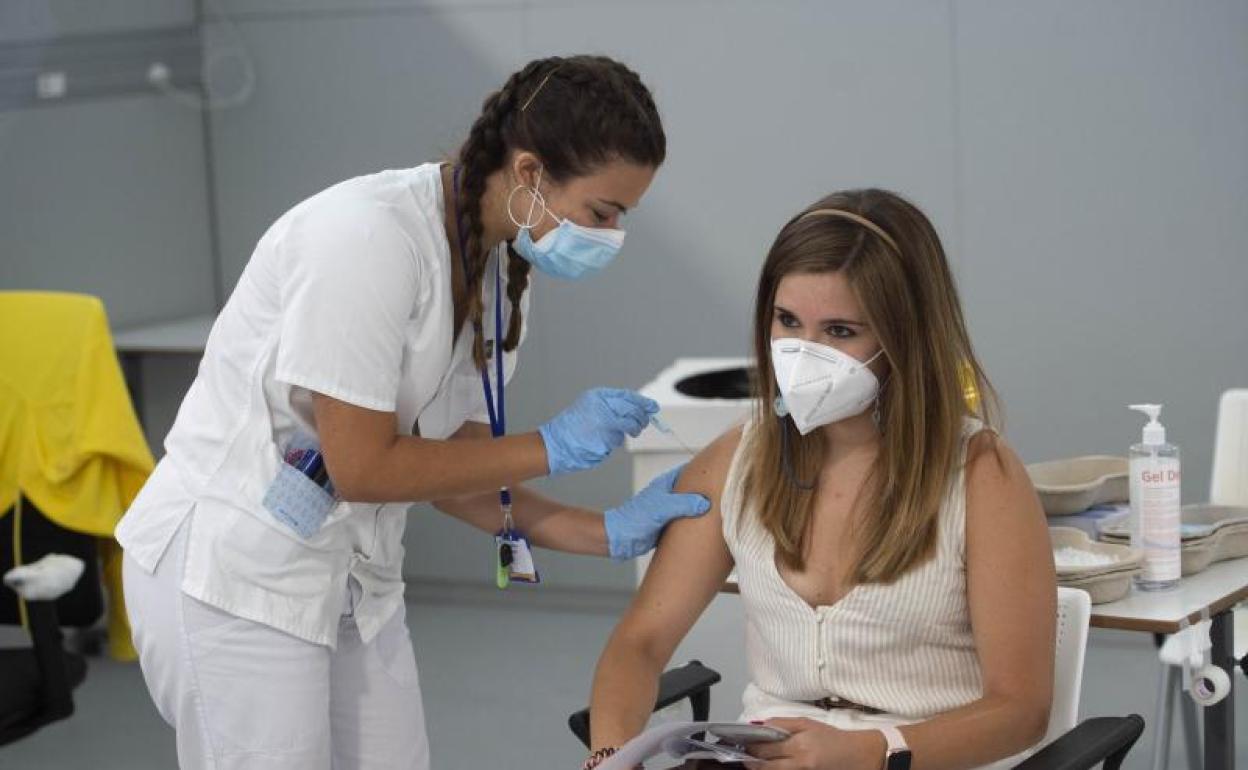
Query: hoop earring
x,y
529,222
537,199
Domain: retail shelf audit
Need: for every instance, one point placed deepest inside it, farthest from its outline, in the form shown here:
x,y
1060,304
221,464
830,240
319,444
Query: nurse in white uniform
x,y
357,367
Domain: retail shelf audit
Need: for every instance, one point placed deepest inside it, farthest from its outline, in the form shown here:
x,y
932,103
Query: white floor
x,y
499,681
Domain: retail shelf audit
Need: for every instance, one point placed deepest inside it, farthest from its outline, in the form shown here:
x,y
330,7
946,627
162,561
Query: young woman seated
x,y
891,553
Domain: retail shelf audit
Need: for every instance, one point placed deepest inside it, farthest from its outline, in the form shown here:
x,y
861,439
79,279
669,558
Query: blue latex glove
x,y
586,433
634,527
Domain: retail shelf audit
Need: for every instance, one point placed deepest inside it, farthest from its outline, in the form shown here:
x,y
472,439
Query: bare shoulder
x,y
999,492
707,471
705,475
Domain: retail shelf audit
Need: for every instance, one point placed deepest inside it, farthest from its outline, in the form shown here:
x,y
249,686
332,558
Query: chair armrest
x,y
685,682
1100,739
55,691
51,577
39,585
692,680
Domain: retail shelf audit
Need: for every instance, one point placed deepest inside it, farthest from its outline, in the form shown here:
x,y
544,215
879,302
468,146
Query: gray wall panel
x,y
1104,189
40,19
347,96
107,198
766,107
248,10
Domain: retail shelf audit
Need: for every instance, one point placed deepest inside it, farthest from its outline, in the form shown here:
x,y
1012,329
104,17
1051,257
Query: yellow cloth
x,y
69,438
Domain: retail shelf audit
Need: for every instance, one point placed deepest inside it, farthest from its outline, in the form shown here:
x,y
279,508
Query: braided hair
x,y
575,113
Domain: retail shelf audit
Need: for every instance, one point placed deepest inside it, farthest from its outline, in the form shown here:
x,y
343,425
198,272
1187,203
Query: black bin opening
x,y
734,383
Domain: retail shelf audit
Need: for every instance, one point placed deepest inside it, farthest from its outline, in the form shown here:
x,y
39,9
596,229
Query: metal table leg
x,y
1220,718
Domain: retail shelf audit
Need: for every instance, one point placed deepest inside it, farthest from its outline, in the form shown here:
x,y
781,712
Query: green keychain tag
x,y
502,561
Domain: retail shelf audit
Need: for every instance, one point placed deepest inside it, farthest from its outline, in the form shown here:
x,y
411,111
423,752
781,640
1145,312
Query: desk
x,y
179,337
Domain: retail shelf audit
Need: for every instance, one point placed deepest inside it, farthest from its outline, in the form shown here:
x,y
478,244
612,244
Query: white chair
x,y
1228,486
1074,613
1229,482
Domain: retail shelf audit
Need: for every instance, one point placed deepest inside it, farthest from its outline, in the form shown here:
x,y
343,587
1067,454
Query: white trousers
x,y
243,695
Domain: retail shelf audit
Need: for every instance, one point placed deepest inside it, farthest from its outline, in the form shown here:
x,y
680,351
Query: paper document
x,y
722,741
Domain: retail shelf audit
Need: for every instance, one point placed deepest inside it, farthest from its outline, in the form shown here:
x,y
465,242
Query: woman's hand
x,y
634,527
583,435
813,745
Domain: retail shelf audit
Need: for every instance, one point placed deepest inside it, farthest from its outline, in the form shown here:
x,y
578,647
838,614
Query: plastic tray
x,y
1200,520
1126,558
1079,483
1109,587
1106,583
1212,533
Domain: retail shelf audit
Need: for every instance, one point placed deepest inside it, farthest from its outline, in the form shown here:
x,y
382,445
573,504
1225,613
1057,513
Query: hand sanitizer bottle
x,y
1155,496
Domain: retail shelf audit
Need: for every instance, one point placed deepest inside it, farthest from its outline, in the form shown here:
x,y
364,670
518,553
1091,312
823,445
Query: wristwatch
x,y
897,755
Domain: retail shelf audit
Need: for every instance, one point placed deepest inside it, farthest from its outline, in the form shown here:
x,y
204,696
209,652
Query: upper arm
x,y
690,564
1011,585
352,439
461,507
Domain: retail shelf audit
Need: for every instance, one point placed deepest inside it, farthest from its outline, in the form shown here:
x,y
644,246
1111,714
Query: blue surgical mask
x,y
570,250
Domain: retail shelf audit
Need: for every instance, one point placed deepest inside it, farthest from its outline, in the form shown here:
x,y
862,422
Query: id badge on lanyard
x,y
513,558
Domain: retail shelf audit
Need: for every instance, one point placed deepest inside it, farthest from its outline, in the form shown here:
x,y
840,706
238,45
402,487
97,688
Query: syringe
x,y
665,429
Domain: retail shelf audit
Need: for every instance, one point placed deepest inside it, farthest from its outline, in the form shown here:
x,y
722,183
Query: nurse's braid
x,y
483,154
575,114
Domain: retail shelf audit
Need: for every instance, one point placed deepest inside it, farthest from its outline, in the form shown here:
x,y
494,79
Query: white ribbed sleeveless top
x,y
904,648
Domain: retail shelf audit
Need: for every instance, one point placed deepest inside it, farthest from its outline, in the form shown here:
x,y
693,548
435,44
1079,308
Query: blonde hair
x,y
892,258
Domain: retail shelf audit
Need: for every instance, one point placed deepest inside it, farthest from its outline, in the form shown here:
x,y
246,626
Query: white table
x,y
182,336
1217,589
177,337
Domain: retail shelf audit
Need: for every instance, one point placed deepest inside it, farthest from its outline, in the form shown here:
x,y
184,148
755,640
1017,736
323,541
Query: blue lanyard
x,y
498,414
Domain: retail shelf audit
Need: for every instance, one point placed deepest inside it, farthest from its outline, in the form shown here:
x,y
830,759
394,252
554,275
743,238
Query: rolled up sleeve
x,y
350,286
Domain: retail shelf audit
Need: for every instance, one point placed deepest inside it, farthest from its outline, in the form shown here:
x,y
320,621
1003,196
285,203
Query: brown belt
x,y
829,704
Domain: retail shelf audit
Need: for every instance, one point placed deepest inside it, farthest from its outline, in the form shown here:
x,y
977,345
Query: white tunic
x,y
348,294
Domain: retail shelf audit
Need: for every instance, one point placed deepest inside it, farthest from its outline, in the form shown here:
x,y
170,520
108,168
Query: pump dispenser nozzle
x,y
1154,431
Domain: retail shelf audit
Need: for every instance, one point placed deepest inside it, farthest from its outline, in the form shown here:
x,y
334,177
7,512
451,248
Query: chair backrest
x,y
1229,484
1074,612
